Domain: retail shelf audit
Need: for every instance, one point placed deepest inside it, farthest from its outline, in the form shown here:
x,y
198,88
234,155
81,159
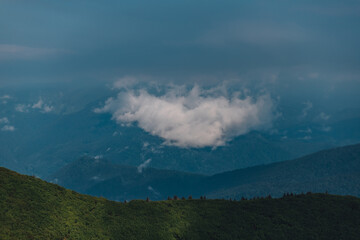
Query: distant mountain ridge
x,y
100,177
335,170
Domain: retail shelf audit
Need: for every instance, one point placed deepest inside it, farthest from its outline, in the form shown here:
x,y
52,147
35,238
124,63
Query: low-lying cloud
x,y
42,106
39,105
194,118
8,128
4,125
144,165
4,120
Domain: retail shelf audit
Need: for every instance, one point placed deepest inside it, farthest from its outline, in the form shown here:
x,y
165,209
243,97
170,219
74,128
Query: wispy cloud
x,y
144,165
11,52
4,120
125,82
255,32
40,105
324,116
5,97
191,119
8,128
307,108
151,189
6,125
21,108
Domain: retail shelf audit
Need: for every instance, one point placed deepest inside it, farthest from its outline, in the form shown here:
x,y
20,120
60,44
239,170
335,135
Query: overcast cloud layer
x,y
302,51
191,119
62,40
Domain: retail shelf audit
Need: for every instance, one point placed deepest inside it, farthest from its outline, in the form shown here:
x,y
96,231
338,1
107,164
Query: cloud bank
x,y
192,118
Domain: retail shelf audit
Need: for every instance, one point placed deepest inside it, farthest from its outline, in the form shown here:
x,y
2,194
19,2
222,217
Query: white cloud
x,y
47,108
151,189
324,116
146,144
96,178
21,108
125,82
8,128
307,108
42,106
191,119
306,138
5,97
144,165
39,104
4,120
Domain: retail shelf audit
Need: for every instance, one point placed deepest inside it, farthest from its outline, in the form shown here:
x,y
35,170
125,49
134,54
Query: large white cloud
x,y
191,119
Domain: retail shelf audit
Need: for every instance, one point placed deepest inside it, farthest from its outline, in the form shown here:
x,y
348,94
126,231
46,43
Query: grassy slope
x,y
33,209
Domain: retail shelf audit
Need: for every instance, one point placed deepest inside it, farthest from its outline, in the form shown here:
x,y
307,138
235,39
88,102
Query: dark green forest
x,y
34,209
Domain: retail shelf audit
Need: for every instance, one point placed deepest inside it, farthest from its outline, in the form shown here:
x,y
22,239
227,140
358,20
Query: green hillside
x,y
33,209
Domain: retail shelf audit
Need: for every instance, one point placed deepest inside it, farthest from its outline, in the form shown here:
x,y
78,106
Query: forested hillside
x,y
33,209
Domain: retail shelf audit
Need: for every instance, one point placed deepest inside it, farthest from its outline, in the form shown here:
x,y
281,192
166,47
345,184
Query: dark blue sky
x,y
294,47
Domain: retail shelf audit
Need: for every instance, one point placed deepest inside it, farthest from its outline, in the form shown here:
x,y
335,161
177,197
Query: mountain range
x,y
334,170
43,142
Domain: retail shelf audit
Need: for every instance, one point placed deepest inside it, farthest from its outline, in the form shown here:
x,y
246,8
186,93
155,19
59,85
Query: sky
x,y
291,52
179,40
